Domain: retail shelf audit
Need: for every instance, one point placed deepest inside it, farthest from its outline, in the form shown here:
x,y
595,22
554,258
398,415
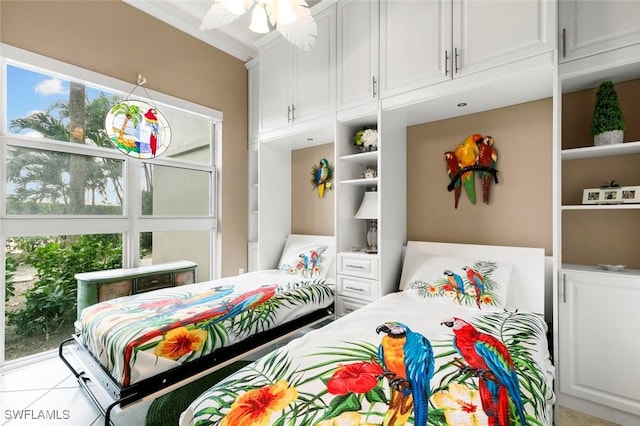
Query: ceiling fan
x,y
292,18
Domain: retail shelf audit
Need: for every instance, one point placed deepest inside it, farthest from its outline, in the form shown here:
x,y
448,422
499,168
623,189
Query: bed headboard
x,y
527,285
329,240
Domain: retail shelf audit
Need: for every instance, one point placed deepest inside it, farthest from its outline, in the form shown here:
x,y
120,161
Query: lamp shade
x,y
369,206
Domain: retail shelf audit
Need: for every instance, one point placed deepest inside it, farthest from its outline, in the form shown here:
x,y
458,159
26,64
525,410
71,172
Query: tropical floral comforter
x,y
401,360
139,336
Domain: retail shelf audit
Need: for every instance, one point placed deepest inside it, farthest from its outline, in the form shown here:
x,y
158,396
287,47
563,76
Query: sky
x,y
29,91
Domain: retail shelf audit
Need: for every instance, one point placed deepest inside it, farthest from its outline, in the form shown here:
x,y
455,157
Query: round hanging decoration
x,y
138,129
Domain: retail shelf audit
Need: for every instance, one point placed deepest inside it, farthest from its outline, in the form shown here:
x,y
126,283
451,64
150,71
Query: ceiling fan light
x,y
237,7
259,20
286,15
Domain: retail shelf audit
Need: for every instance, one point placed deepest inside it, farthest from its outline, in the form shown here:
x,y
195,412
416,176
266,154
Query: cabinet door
x,y
274,76
489,33
358,47
599,321
415,42
314,74
589,27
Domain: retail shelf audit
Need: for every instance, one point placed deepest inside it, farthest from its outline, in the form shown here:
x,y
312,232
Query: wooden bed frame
x,y
117,398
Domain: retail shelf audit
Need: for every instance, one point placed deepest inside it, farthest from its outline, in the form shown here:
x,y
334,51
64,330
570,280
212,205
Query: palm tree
x,y
130,112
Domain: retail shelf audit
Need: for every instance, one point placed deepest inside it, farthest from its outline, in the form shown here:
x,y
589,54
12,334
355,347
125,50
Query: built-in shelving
x,y
361,182
601,151
601,207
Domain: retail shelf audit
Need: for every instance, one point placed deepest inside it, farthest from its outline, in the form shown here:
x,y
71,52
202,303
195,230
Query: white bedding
x,y
312,380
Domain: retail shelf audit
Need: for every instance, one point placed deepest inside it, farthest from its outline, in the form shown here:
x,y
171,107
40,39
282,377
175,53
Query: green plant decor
x,y
607,114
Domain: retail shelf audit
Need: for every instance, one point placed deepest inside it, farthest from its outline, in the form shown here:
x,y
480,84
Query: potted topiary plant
x,y
607,125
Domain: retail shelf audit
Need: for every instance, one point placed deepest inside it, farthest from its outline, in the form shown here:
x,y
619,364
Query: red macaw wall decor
x,y
475,154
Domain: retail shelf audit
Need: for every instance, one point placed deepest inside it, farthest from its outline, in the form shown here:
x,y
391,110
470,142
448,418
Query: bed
x,y
395,361
145,344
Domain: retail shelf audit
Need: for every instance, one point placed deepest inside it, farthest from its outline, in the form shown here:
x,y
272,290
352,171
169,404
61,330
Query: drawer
x,y
108,291
153,282
345,306
358,288
183,278
358,265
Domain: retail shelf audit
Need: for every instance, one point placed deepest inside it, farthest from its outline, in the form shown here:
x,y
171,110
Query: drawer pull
x,y
355,266
354,288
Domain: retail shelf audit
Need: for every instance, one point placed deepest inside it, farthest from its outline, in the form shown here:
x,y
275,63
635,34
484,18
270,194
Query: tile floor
x,y
47,388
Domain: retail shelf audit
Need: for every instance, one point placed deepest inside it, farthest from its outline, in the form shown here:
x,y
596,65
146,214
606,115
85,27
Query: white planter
x,y
608,138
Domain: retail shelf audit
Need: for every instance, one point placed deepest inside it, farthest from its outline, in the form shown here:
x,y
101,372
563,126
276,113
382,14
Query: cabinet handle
x,y
288,113
293,113
564,288
455,60
446,62
354,289
564,42
373,85
355,266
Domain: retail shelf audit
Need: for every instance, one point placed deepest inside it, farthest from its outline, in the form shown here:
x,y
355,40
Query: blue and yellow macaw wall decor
x,y
475,154
322,176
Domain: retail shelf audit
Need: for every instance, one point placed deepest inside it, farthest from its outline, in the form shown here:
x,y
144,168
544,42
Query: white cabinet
x,y
589,27
358,47
357,281
599,319
295,85
424,43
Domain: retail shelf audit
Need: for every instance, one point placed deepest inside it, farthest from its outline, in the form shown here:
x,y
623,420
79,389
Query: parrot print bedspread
x,y
402,360
138,336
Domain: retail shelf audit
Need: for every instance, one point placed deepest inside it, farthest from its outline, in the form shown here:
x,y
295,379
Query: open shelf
x,y
601,151
361,182
601,207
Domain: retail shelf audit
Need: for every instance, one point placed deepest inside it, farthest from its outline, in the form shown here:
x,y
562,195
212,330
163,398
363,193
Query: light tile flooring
x,y
47,388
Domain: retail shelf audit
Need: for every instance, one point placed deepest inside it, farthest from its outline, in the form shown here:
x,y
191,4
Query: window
x,y
71,202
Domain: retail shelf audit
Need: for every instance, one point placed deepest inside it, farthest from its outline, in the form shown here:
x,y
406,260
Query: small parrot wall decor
x,y
475,155
322,176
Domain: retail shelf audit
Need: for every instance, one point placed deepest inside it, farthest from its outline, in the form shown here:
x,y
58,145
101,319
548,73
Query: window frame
x,y
131,223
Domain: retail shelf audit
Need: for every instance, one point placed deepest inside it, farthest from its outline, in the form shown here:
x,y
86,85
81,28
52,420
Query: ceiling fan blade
x,y
303,32
217,16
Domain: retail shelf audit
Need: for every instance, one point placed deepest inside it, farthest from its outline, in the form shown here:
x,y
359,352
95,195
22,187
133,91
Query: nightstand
x,y
357,281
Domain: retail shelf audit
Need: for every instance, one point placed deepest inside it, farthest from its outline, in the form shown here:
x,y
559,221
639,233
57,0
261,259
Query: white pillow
x,y
309,260
451,280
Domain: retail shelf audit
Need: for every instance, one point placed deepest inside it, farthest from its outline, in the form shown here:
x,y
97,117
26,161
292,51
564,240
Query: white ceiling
x,y
235,39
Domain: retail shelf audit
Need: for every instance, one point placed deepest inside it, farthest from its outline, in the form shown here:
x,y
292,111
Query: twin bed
x,y
403,359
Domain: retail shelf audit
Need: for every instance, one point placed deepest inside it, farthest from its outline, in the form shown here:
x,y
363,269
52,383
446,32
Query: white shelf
x,y
601,151
602,207
596,268
360,182
362,157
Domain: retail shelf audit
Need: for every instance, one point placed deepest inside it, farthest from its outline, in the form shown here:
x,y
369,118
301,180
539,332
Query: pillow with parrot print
x,y
480,284
306,260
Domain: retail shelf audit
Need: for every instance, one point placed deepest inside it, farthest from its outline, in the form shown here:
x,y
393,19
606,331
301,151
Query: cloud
x,y
53,86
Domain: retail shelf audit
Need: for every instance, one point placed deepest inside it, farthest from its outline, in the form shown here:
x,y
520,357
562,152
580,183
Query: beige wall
x,y
96,35
593,237
520,209
310,214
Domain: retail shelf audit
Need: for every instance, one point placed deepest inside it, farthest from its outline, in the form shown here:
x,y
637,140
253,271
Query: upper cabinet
x,y
358,47
423,43
296,86
584,32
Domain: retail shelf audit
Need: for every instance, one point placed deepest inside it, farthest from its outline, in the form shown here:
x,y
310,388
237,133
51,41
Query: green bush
x,y
607,114
51,302
10,268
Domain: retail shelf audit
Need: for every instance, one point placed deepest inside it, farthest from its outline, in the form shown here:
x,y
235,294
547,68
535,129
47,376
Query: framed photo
x,y
616,195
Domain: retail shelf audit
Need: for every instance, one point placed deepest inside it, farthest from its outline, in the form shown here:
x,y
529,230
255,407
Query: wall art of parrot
x,y
151,120
408,363
321,176
491,362
487,158
477,281
453,168
467,153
